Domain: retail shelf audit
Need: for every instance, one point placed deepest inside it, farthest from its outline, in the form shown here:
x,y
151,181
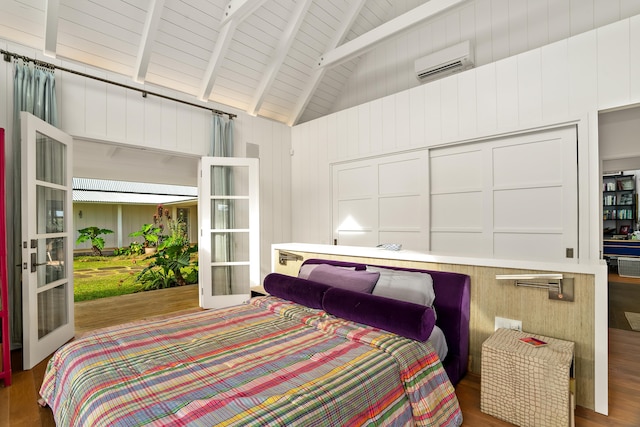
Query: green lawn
x,y
99,277
93,262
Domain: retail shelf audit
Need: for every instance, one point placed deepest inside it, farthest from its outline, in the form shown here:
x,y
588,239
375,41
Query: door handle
x,y
35,264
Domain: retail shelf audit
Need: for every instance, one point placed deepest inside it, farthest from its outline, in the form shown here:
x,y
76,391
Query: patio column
x,y
119,226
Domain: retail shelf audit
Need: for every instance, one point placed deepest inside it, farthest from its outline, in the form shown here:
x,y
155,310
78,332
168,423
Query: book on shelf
x,y
626,199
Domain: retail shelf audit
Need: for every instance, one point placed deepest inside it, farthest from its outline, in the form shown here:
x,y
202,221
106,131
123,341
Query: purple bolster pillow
x,y
408,319
300,291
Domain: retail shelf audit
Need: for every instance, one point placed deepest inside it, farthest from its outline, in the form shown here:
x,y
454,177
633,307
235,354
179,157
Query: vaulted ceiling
x,y
281,59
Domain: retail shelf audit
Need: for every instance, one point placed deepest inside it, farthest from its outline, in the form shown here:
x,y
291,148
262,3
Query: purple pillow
x,y
300,291
410,320
355,280
306,269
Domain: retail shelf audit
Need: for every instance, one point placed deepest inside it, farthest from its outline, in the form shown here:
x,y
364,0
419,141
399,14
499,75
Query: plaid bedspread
x,y
266,363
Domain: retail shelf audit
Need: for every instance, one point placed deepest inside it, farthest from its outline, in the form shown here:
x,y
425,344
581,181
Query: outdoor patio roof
x,y
87,190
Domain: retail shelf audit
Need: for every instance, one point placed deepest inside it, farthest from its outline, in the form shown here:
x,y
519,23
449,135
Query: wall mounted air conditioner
x,y
444,62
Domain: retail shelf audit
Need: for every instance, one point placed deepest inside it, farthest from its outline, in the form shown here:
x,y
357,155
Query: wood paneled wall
x,y
97,111
497,28
571,321
565,81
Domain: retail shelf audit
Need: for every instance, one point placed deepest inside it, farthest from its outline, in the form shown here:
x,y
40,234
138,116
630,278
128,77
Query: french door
x,y
47,256
229,238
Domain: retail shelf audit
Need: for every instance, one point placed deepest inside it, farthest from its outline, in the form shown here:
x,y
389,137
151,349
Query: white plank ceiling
x,y
260,56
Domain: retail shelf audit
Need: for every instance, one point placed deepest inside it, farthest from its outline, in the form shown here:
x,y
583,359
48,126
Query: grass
x,y
100,277
93,262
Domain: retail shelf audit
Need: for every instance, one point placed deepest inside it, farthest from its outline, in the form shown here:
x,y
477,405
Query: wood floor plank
x,y
4,406
23,408
104,312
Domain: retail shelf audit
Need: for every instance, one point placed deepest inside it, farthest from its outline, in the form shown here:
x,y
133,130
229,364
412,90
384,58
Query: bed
x,y
452,303
281,359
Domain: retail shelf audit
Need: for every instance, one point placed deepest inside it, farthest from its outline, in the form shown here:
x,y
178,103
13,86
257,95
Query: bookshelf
x,y
618,204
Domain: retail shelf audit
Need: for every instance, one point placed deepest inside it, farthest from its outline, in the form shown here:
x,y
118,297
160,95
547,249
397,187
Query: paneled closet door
x,y
512,198
382,200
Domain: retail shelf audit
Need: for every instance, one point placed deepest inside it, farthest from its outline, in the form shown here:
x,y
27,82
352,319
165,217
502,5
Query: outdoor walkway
x,y
104,312
106,271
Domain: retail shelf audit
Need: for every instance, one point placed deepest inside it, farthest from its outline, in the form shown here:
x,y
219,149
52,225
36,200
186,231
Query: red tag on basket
x,y
533,341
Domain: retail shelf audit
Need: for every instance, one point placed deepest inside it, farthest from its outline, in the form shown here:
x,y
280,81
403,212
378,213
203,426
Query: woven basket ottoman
x,y
525,385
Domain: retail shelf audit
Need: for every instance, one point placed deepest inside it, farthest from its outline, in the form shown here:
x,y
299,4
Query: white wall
x,y
618,138
97,111
569,80
498,29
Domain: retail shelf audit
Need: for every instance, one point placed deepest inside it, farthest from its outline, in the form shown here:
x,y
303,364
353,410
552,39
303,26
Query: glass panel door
x,y
47,270
229,240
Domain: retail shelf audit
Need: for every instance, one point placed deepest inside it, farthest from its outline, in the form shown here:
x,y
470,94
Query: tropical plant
x,y
93,234
134,248
156,279
150,233
191,275
159,215
174,255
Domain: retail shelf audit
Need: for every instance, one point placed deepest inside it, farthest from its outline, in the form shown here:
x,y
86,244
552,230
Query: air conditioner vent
x,y
444,62
438,70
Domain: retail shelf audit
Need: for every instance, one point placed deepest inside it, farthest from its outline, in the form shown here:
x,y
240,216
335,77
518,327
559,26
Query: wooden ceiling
x,y
281,59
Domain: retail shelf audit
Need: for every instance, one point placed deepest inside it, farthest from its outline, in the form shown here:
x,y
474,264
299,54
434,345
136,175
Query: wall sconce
x,y
80,214
283,257
559,288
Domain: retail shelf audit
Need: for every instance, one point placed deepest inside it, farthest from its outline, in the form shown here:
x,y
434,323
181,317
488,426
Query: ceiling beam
x,y
52,11
238,10
369,40
219,51
146,40
281,51
312,85
235,12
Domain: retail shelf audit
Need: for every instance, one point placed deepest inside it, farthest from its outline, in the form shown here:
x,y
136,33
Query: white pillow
x,y
410,286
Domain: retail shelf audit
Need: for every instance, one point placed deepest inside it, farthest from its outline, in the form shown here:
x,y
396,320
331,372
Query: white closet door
x,y
513,197
382,200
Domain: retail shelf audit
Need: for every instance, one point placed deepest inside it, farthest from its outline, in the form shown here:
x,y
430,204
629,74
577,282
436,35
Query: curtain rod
x,y
8,55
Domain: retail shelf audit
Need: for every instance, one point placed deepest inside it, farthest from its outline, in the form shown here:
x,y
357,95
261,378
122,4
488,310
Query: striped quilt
x,y
269,362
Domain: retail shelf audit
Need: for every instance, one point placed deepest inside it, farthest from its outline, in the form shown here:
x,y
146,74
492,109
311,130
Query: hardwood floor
x,y
624,389
624,295
101,313
19,408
